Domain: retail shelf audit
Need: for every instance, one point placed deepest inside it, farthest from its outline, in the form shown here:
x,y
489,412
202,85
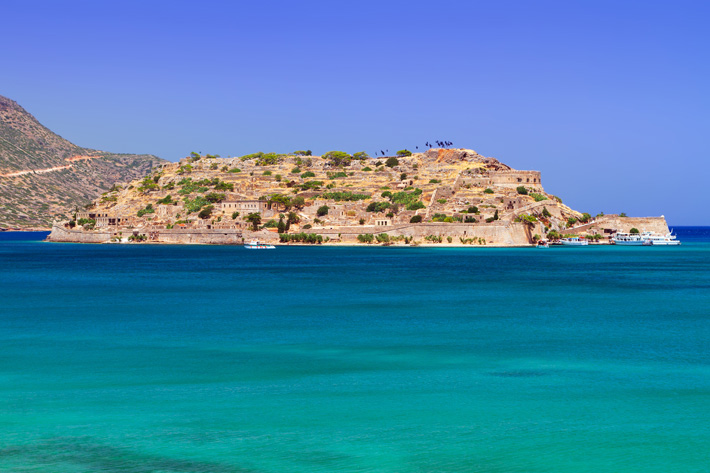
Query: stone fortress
x,y
442,196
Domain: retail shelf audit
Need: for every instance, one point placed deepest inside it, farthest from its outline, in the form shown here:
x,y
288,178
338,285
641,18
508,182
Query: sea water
x,y
161,358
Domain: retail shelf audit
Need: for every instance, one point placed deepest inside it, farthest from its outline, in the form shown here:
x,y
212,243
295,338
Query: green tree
x,y
546,213
338,158
415,219
522,190
322,210
255,219
404,152
298,202
206,212
634,230
282,225
360,155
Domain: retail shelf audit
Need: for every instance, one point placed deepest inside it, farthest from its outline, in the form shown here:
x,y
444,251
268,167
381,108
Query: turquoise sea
x,y
147,358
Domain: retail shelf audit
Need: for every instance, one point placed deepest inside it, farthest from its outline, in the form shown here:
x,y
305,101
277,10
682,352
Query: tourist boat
x,y
574,241
644,239
543,244
256,245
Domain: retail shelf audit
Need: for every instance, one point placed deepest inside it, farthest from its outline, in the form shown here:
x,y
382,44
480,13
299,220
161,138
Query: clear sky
x,y
609,99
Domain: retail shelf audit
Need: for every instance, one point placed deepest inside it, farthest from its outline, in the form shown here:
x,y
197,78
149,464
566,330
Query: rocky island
x,y
441,197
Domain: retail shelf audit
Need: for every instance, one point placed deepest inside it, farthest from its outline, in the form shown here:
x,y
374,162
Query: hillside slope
x,y
43,176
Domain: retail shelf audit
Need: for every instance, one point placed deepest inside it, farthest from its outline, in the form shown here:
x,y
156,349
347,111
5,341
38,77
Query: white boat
x,y
256,245
543,244
644,239
574,241
654,239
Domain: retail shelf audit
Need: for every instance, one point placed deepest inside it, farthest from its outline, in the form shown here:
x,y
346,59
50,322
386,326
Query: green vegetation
x,y
206,212
266,173
493,218
235,215
215,197
585,217
416,219
147,210
571,221
403,153
472,210
338,158
367,169
296,170
311,185
194,205
301,237
553,235
308,174
377,206
392,162
271,224
303,153
147,185
434,181
538,197
634,230
235,170
167,200
441,201
488,191
322,210
383,238
360,155
344,196
366,238
336,175
546,213
255,219
522,190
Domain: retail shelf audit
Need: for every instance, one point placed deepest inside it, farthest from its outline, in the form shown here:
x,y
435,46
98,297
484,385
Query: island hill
x,y
442,196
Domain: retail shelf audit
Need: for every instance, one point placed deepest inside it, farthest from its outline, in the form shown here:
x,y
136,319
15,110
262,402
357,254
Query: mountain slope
x,y
43,176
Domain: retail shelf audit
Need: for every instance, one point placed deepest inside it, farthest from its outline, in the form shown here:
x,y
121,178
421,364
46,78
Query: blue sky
x,y
609,99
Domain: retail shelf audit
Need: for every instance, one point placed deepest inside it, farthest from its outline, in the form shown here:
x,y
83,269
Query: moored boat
x,y
644,239
574,241
256,245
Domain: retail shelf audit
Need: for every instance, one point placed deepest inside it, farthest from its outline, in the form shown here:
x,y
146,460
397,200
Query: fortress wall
x,y
613,223
61,234
512,234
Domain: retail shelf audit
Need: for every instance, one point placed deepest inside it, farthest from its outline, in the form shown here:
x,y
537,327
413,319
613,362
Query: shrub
x,y
303,153
383,238
167,200
367,169
472,210
322,210
361,221
488,191
308,174
392,162
278,177
267,173
441,201
193,205
308,185
449,239
415,205
634,230
522,190
571,221
434,181
307,226
222,186
538,197
235,215
295,170
403,176
546,213
622,215
366,238
360,155
415,219
271,224
386,194
147,210
377,206
235,170
585,217
404,152
335,175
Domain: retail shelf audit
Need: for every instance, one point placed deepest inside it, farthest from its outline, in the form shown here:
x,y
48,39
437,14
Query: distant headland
x,y
442,196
